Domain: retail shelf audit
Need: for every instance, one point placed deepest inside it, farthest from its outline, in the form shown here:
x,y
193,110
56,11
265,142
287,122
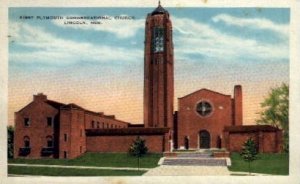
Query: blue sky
x,y
100,67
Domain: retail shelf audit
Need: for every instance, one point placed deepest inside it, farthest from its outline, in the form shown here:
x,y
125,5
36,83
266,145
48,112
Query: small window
x,y
26,122
26,142
65,154
98,125
111,126
49,121
80,148
49,142
65,137
93,124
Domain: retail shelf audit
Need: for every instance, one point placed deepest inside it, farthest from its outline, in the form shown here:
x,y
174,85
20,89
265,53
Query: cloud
x,y
194,41
48,49
122,28
253,23
196,38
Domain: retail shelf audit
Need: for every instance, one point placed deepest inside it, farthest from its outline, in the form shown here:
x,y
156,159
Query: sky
x,y
100,66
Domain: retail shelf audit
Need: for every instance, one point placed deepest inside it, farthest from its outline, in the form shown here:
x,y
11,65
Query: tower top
x,y
159,10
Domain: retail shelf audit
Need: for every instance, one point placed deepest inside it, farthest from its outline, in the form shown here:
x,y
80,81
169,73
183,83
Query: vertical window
x,y
26,122
158,39
26,142
98,125
65,154
80,148
93,124
49,141
65,137
49,121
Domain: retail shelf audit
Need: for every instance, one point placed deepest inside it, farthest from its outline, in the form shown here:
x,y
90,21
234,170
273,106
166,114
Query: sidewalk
x,y
167,170
240,173
82,167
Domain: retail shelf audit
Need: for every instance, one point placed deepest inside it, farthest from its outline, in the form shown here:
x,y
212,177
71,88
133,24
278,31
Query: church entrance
x,y
204,141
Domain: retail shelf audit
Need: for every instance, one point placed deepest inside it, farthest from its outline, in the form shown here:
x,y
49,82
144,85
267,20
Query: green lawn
x,y
277,164
70,172
98,159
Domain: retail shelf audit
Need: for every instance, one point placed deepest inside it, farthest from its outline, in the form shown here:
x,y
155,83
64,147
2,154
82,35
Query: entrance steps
x,y
194,155
194,159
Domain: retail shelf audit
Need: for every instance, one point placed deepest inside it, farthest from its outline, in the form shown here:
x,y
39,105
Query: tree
x,y
138,149
10,141
249,153
276,111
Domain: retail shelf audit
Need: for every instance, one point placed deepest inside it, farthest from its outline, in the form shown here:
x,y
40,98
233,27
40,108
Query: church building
x,y
205,119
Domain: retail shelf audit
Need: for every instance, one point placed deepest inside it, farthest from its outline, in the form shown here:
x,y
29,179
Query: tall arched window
x,y
49,141
26,142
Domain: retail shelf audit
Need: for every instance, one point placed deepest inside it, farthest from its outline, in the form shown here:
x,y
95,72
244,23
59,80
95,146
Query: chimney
x,y
238,105
40,97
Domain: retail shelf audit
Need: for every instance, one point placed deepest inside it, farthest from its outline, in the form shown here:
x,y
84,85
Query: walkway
x,y
191,164
167,170
81,167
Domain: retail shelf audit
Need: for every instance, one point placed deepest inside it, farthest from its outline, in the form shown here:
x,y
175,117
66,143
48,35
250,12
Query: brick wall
x,y
155,143
72,133
38,130
93,120
190,123
73,123
268,139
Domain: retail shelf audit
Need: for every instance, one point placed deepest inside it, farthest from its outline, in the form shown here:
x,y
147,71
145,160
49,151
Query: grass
x,y
98,159
44,171
276,163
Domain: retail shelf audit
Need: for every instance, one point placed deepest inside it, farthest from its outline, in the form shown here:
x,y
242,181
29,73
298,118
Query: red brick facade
x,y
205,119
158,70
156,139
268,139
190,123
66,130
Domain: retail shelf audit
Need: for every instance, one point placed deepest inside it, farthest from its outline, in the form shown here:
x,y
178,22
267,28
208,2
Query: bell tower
x,y
158,70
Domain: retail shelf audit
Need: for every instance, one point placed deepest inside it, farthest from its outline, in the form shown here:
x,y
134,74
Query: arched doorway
x,y
204,141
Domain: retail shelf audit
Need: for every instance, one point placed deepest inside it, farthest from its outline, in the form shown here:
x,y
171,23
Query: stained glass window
x,y
204,108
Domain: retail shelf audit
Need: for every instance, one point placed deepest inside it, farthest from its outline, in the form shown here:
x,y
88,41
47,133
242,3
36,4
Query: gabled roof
x,y
59,105
204,89
52,103
55,104
25,107
75,106
72,106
